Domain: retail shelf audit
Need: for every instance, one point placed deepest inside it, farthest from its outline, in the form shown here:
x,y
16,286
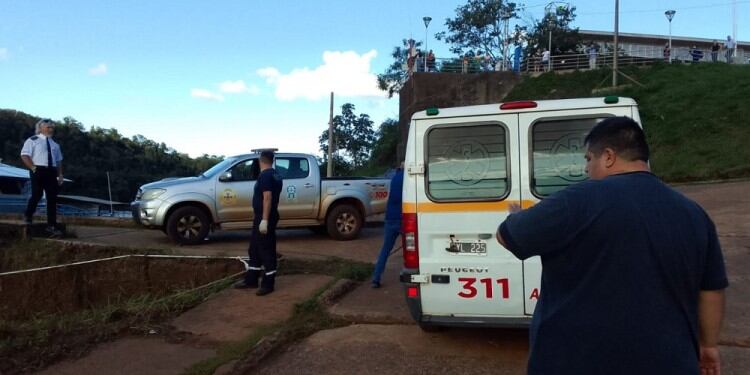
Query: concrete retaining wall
x,y
85,285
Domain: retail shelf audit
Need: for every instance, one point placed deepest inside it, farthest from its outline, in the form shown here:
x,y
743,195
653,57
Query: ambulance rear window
x,y
467,163
558,153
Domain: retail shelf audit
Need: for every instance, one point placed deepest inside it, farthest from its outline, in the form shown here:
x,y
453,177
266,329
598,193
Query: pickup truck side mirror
x,y
226,176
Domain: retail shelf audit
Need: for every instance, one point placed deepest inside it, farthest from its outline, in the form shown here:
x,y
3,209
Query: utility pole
x,y
614,53
331,144
109,188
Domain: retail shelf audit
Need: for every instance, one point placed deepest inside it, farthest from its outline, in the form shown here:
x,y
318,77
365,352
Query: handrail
x,y
644,55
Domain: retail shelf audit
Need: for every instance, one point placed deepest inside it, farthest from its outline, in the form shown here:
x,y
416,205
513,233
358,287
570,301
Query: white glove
x,y
263,227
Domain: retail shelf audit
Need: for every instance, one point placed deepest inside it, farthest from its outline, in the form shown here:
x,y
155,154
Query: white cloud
x,y
345,73
3,54
238,87
98,70
206,95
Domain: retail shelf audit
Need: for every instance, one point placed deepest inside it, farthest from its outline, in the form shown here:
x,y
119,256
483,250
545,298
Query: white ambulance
x,y
464,167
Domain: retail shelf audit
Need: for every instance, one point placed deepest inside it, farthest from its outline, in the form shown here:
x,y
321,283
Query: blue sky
x,y
222,77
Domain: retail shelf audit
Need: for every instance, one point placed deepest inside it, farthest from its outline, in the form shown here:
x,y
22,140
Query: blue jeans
x,y
391,231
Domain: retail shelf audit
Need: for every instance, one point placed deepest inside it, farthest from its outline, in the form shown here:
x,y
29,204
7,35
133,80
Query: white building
x,y
652,46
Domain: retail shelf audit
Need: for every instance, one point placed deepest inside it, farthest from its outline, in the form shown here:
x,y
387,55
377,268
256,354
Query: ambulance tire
x,y
188,225
426,327
344,222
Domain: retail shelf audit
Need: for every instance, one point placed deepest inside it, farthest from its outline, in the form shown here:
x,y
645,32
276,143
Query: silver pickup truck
x,y
186,209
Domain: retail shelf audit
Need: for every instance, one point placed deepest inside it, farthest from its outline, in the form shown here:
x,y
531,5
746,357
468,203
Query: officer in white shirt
x,y
42,155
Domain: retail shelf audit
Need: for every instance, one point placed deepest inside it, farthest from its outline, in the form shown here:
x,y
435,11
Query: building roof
x,y
11,171
80,198
655,38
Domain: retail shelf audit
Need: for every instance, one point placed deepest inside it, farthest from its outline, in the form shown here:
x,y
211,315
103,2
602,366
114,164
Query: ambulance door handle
x,y
308,185
485,236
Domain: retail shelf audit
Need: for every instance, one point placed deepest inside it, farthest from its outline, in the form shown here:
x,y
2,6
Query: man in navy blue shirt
x,y
392,226
632,271
262,249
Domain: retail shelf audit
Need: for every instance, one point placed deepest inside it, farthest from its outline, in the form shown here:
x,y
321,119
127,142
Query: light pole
x,y
670,14
426,20
551,11
548,11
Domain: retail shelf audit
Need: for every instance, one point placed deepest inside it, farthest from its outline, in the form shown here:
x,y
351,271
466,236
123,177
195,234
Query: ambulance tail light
x,y
519,105
409,241
412,292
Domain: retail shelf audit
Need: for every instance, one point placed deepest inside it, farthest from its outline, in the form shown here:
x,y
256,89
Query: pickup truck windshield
x,y
226,163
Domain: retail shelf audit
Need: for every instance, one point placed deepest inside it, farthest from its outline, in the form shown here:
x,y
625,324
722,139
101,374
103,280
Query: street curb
x,y
267,345
336,291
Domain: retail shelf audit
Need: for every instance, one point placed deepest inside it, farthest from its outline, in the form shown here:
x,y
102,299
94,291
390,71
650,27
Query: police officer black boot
x,y
250,281
266,284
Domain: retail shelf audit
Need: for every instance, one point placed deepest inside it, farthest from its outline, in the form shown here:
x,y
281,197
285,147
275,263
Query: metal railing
x,y
571,61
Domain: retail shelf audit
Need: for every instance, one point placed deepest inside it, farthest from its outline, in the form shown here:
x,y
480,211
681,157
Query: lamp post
x,y
551,11
548,11
670,14
426,20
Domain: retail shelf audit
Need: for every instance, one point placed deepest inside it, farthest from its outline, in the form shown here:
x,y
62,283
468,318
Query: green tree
x,y
392,80
89,155
353,135
564,37
478,26
385,147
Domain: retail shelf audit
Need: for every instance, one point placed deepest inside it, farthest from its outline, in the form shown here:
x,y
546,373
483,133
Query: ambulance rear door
x,y
462,197
552,158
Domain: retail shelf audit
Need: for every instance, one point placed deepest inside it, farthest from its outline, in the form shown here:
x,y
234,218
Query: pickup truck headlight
x,y
152,194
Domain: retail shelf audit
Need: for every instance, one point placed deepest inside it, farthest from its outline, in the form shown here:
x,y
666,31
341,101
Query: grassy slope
x,y
696,118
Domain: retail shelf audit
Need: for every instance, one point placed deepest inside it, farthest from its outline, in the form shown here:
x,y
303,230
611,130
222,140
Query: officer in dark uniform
x,y
42,155
262,249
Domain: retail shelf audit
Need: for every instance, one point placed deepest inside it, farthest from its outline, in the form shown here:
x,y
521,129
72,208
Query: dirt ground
x,y
370,346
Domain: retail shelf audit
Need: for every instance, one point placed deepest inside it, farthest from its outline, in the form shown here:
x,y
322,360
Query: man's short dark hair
x,y
622,135
267,157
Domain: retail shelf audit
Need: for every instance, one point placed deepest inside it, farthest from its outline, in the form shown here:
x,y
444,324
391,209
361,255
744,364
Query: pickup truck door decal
x,y
228,198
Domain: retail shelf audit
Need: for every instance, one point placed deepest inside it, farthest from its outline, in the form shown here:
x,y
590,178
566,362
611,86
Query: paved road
x,y
291,242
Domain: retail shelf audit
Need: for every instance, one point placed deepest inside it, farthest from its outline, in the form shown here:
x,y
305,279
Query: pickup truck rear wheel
x,y
344,222
188,225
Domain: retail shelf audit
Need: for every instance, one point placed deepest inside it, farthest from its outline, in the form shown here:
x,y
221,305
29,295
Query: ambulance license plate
x,y
477,248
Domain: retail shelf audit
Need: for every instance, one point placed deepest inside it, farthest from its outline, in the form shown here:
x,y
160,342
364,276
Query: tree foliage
x,y
564,38
352,135
477,27
89,155
392,80
385,148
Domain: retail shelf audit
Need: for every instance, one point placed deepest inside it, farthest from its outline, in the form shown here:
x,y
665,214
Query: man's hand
x,y
263,227
60,180
709,361
514,207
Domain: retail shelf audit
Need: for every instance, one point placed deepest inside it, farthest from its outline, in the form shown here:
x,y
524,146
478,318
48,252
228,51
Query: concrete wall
x,y
443,90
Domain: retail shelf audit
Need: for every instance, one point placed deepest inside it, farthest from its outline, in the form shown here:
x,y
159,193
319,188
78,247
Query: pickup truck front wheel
x,y
188,225
344,222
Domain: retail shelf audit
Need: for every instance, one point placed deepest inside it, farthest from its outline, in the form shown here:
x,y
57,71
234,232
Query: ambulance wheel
x,y
426,327
188,225
344,222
